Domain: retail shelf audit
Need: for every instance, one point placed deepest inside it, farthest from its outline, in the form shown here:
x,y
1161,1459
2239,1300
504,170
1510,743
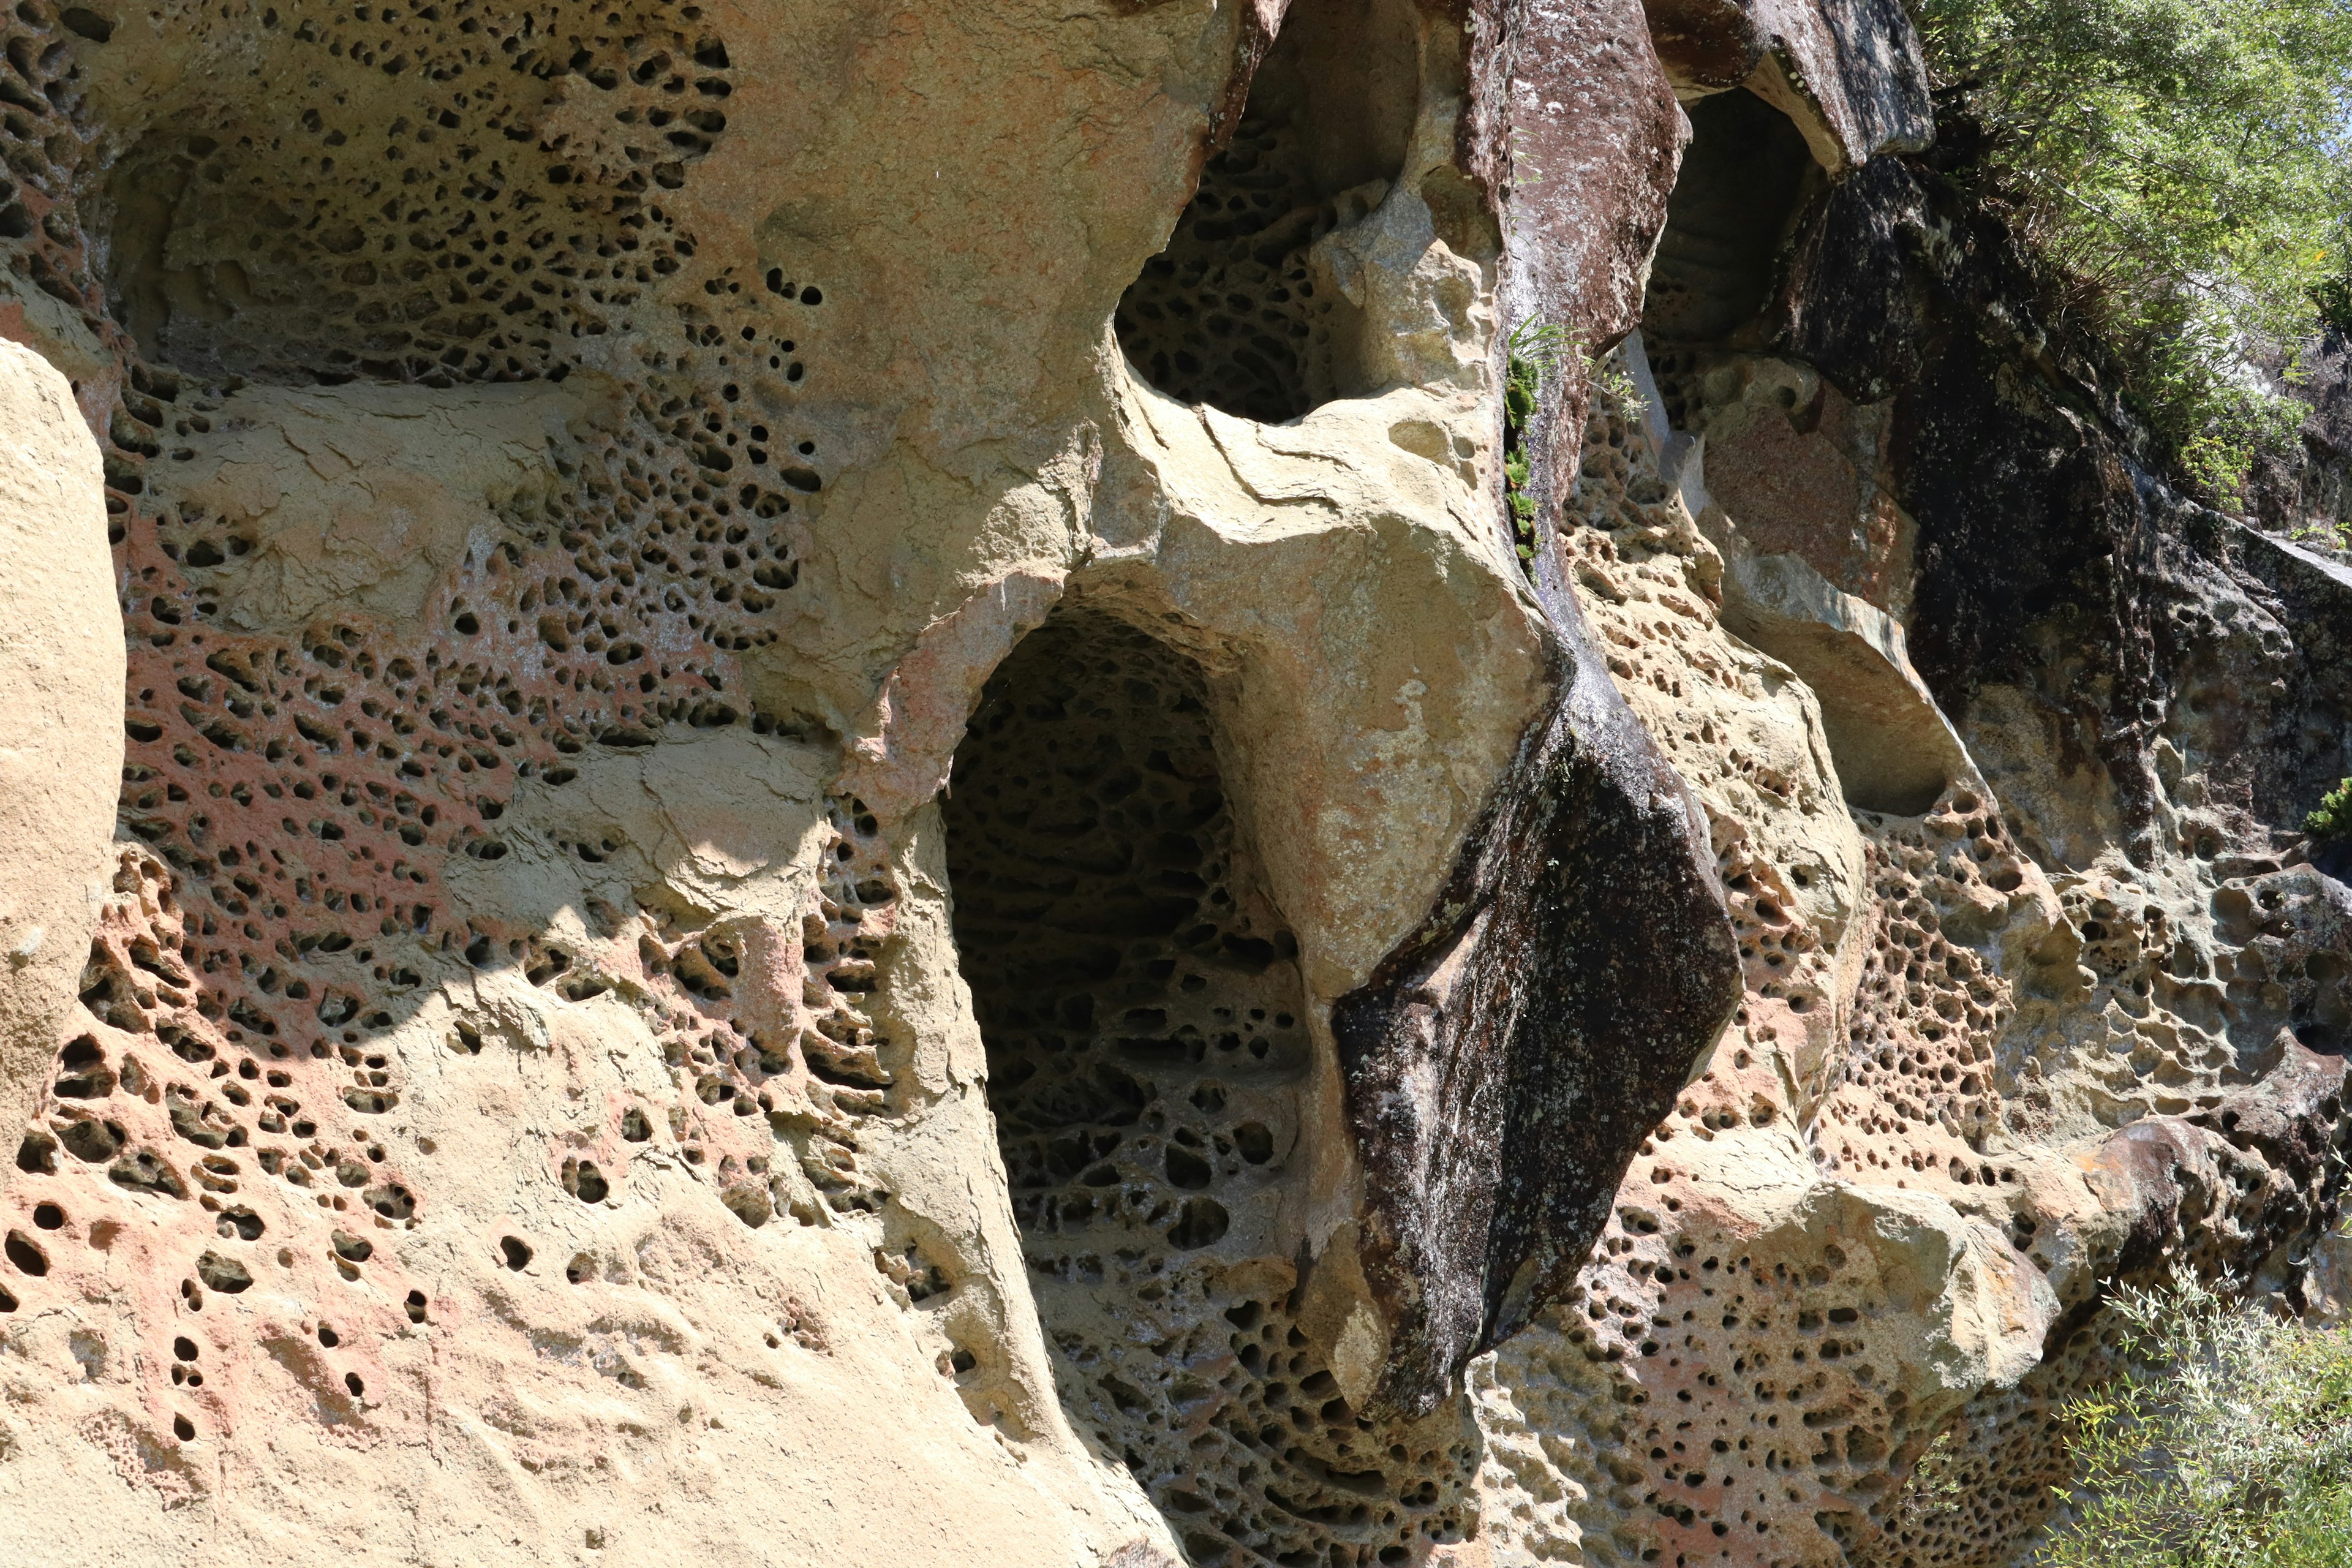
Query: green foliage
x,y
2185,168
1537,344
1521,384
2226,1444
1534,350
1612,383
2332,298
2334,818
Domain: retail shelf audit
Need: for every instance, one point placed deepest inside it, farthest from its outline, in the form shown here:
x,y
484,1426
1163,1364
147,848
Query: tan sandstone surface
x,y
843,827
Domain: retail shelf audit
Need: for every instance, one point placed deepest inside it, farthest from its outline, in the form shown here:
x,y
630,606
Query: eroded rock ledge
x,y
849,826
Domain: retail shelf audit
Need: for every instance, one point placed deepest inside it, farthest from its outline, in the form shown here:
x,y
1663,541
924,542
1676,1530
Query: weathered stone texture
x,y
843,833
60,679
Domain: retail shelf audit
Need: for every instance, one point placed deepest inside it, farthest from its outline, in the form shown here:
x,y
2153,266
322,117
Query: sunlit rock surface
x,y
850,827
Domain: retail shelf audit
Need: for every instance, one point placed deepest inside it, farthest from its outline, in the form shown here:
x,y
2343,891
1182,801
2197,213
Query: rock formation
x,y
872,803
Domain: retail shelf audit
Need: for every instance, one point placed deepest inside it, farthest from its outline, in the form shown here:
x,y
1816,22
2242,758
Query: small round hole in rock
x,y
749,1204
48,1217
416,1305
1201,1223
517,1254
28,1258
327,1337
589,1183
1187,1169
184,1429
185,1348
225,1275
351,1381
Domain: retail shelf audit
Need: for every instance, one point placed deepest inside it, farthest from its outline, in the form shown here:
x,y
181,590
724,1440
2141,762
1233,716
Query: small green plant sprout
x,y
1613,383
1938,1486
2332,820
2324,536
1524,173
1538,343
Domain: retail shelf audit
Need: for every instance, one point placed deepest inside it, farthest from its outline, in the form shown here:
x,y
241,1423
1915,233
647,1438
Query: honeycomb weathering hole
x,y
1236,313
1142,1008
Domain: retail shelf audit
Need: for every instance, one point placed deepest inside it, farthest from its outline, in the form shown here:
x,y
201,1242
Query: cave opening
x,y
1746,177
1148,1058
1238,312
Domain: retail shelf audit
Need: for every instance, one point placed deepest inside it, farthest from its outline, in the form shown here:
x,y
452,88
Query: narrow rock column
x,y
61,674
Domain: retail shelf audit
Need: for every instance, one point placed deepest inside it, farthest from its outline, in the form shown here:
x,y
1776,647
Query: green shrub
x,y
2334,818
2226,1444
2181,168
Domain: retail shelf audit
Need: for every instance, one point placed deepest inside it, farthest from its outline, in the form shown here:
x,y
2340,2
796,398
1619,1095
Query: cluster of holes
x,y
1919,1086
809,1085
422,218
744,1085
157,1098
2282,956
415,217
1736,1405
1627,546
1999,1467
1937,1070
1238,312
1139,999
1230,314
1733,1406
2004,1461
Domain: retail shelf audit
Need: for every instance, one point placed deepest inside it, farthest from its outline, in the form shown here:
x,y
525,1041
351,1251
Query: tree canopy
x,y
2184,167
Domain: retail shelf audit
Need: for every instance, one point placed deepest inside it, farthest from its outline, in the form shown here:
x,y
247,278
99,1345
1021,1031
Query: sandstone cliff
x,y
1210,781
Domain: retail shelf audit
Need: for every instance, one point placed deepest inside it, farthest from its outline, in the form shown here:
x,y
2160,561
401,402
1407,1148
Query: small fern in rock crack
x,y
1531,352
1521,384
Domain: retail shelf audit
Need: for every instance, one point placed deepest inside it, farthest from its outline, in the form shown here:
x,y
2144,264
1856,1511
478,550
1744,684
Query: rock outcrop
x,y
872,801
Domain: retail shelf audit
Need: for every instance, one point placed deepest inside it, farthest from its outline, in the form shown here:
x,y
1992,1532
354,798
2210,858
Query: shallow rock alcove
x,y
1237,313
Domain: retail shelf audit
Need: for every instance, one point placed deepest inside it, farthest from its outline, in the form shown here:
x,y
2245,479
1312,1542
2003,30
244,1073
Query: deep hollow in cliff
x,y
1236,313
1745,176
1143,1012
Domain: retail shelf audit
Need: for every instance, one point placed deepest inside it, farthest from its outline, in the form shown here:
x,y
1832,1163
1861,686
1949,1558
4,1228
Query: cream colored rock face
x,y
60,677
577,474
554,1077
1853,1237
